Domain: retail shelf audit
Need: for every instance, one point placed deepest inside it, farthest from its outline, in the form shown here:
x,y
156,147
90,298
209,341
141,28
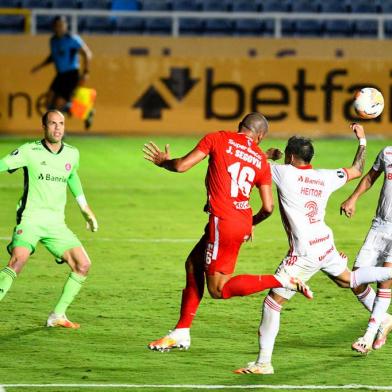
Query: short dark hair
x,y
255,122
58,18
301,147
44,118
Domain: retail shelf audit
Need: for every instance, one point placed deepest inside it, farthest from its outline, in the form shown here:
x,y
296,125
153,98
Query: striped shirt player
x,y
303,193
49,166
376,251
236,164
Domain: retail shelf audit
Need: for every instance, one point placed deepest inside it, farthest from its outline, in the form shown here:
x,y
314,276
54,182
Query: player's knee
x,y
214,291
82,267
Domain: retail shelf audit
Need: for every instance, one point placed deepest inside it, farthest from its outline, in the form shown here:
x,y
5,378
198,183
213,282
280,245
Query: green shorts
x,y
56,237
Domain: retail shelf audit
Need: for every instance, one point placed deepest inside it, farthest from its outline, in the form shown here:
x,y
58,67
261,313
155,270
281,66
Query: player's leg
x,y
191,298
19,258
303,267
268,331
64,245
22,245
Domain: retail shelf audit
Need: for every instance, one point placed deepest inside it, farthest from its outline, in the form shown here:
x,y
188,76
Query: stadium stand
x,y
288,26
12,24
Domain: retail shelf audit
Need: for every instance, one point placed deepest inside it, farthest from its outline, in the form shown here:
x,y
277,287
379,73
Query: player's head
x,y
255,124
60,25
53,125
299,148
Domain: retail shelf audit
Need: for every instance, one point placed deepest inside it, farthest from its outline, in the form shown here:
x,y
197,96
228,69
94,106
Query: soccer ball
x,y
368,103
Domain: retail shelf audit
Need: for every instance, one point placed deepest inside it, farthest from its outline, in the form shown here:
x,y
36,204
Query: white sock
x,y
370,274
381,305
268,330
367,297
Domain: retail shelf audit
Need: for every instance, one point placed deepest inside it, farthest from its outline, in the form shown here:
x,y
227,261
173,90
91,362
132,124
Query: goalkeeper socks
x,y
370,274
7,276
242,285
70,290
268,330
191,297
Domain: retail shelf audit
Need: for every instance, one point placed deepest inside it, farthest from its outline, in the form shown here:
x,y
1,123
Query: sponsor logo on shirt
x,y
241,205
318,240
313,181
330,250
43,163
49,177
68,166
15,152
20,231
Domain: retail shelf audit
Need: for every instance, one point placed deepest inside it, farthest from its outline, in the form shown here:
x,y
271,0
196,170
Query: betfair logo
x,y
49,177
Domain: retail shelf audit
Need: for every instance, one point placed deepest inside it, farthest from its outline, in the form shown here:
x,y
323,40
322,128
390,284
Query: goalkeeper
x,y
49,165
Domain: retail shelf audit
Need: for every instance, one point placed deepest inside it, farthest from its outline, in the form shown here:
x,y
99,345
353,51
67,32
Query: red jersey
x,y
235,165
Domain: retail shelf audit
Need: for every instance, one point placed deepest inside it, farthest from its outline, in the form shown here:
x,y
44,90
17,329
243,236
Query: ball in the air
x,y
368,103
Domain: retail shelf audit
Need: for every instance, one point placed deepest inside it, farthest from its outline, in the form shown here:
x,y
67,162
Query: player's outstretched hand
x,y
155,155
348,208
274,154
89,216
358,130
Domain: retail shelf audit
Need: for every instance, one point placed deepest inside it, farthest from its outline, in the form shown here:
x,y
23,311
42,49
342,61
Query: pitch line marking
x,y
189,386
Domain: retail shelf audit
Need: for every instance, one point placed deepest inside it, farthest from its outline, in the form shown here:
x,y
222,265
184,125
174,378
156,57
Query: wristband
x,y
81,200
362,141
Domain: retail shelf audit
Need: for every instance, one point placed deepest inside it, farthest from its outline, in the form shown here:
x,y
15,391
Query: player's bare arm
x,y
267,204
86,55
162,158
348,206
44,63
356,170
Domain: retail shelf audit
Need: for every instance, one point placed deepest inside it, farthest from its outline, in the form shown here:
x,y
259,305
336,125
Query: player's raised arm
x,y
348,206
162,158
356,170
76,189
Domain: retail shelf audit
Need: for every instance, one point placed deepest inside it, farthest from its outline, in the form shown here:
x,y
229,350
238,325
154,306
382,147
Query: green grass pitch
x,y
149,220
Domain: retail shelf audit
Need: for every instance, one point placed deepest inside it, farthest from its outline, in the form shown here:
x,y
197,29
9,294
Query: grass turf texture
x,y
132,295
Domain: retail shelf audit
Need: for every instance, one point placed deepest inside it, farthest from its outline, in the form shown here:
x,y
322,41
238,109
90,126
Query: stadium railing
x,y
175,16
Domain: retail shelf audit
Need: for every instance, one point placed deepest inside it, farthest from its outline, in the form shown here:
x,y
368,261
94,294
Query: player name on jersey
x,y
244,153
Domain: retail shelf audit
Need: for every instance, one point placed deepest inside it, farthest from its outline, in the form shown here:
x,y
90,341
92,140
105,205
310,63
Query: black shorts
x,y
65,83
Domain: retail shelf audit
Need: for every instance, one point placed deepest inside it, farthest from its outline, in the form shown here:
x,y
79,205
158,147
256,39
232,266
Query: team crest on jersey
x,y
340,173
249,142
15,152
20,231
68,166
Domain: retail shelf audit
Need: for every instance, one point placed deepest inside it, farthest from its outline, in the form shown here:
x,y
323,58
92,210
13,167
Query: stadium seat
x,y
95,4
10,3
218,27
184,5
307,6
308,28
125,5
363,7
96,24
190,26
159,26
12,23
248,27
213,5
366,28
45,23
273,6
334,6
36,4
154,5
126,25
338,28
65,4
244,6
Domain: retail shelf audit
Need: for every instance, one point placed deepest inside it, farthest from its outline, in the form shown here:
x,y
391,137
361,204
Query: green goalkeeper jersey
x,y
46,176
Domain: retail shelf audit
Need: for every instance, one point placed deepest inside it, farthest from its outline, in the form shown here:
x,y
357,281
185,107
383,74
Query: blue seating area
x,y
211,26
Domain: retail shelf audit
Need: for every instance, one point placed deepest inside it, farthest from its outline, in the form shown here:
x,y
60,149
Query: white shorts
x,y
377,248
333,263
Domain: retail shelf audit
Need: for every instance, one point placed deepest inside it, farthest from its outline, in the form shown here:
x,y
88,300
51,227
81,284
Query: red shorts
x,y
224,239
